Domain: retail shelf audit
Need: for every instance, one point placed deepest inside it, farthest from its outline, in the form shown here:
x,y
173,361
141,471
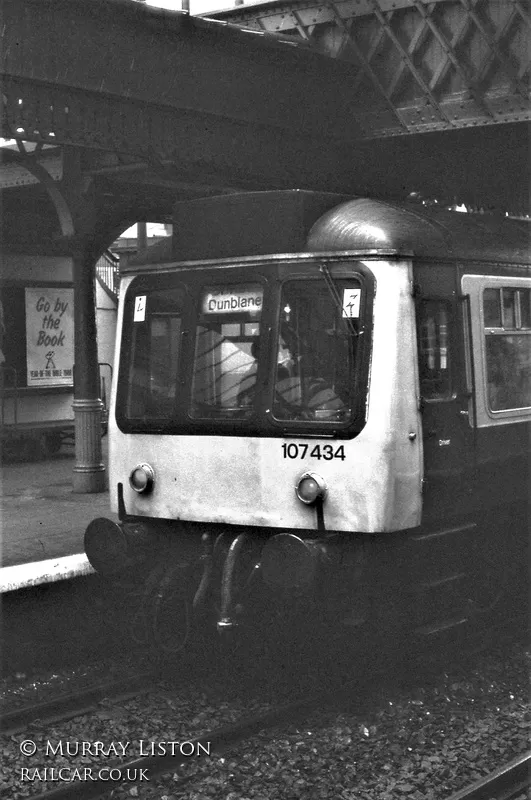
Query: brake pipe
x,y
227,579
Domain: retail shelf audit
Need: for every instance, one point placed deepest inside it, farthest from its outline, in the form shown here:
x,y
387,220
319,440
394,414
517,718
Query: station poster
x,y
50,336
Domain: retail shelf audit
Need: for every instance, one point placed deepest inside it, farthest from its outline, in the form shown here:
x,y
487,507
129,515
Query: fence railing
x,y
107,270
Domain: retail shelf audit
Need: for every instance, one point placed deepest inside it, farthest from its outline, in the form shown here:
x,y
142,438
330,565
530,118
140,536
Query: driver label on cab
x,y
351,303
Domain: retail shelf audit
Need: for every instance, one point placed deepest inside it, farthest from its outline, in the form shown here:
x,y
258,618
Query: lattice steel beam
x,y
437,64
366,69
227,109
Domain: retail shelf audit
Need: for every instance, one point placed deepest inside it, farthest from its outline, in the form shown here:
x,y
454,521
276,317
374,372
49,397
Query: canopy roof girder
x,y
160,105
67,66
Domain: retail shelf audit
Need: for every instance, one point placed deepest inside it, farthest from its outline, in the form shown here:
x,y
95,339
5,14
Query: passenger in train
x,y
248,382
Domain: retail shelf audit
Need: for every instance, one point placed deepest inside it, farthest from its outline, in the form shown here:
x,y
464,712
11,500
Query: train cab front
x,y
255,433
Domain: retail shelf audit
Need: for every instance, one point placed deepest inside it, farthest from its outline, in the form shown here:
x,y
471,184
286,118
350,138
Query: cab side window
x,y
434,355
507,332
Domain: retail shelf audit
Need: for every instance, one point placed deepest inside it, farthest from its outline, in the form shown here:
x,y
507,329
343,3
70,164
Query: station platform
x,y
43,522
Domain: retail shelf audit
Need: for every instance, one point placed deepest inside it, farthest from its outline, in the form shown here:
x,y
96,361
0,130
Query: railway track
x,y
510,782
507,783
215,742
73,704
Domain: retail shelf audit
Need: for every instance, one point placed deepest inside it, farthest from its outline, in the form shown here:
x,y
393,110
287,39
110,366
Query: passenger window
x,y
434,355
509,308
525,308
492,308
508,350
155,354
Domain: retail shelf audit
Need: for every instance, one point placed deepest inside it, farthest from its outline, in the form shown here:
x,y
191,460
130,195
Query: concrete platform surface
x,y
41,517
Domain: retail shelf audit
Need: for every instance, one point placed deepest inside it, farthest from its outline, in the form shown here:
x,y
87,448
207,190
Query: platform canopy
x,y
418,65
142,105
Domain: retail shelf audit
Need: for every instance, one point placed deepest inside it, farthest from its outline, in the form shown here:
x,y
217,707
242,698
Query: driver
x,y
287,382
285,360
304,396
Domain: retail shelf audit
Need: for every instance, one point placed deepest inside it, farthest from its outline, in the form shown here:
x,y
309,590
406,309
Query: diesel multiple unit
x,y
322,405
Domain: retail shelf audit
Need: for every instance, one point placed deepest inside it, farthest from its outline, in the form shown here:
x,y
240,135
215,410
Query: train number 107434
x,y
325,451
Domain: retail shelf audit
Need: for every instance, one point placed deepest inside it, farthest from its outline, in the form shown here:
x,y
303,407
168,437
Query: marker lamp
x,y
142,478
310,487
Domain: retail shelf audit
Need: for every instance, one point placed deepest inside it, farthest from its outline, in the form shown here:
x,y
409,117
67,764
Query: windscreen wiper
x,y
334,292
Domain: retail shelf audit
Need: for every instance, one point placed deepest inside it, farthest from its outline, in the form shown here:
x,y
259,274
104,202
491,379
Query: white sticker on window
x,y
140,308
351,303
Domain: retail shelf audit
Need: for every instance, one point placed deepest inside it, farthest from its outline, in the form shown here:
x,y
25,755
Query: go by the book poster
x,y
50,336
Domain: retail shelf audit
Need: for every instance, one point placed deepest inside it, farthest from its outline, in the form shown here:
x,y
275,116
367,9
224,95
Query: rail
x,y
219,740
508,782
74,704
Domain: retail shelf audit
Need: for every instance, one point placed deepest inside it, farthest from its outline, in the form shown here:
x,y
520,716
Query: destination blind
x,y
242,299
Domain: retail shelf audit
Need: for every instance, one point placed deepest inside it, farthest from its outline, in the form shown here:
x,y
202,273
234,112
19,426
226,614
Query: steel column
x,y
89,470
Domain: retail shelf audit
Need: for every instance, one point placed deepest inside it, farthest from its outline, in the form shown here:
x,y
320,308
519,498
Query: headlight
x,y
310,487
142,478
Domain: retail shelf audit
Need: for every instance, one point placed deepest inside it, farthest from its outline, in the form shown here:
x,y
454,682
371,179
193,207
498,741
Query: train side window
x,y
525,308
508,349
434,354
509,299
492,308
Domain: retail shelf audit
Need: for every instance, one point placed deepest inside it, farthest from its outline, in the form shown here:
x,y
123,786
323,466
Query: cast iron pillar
x,y
74,202
89,470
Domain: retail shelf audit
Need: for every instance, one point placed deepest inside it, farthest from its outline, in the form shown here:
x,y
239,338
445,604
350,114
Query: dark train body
x,y
323,405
